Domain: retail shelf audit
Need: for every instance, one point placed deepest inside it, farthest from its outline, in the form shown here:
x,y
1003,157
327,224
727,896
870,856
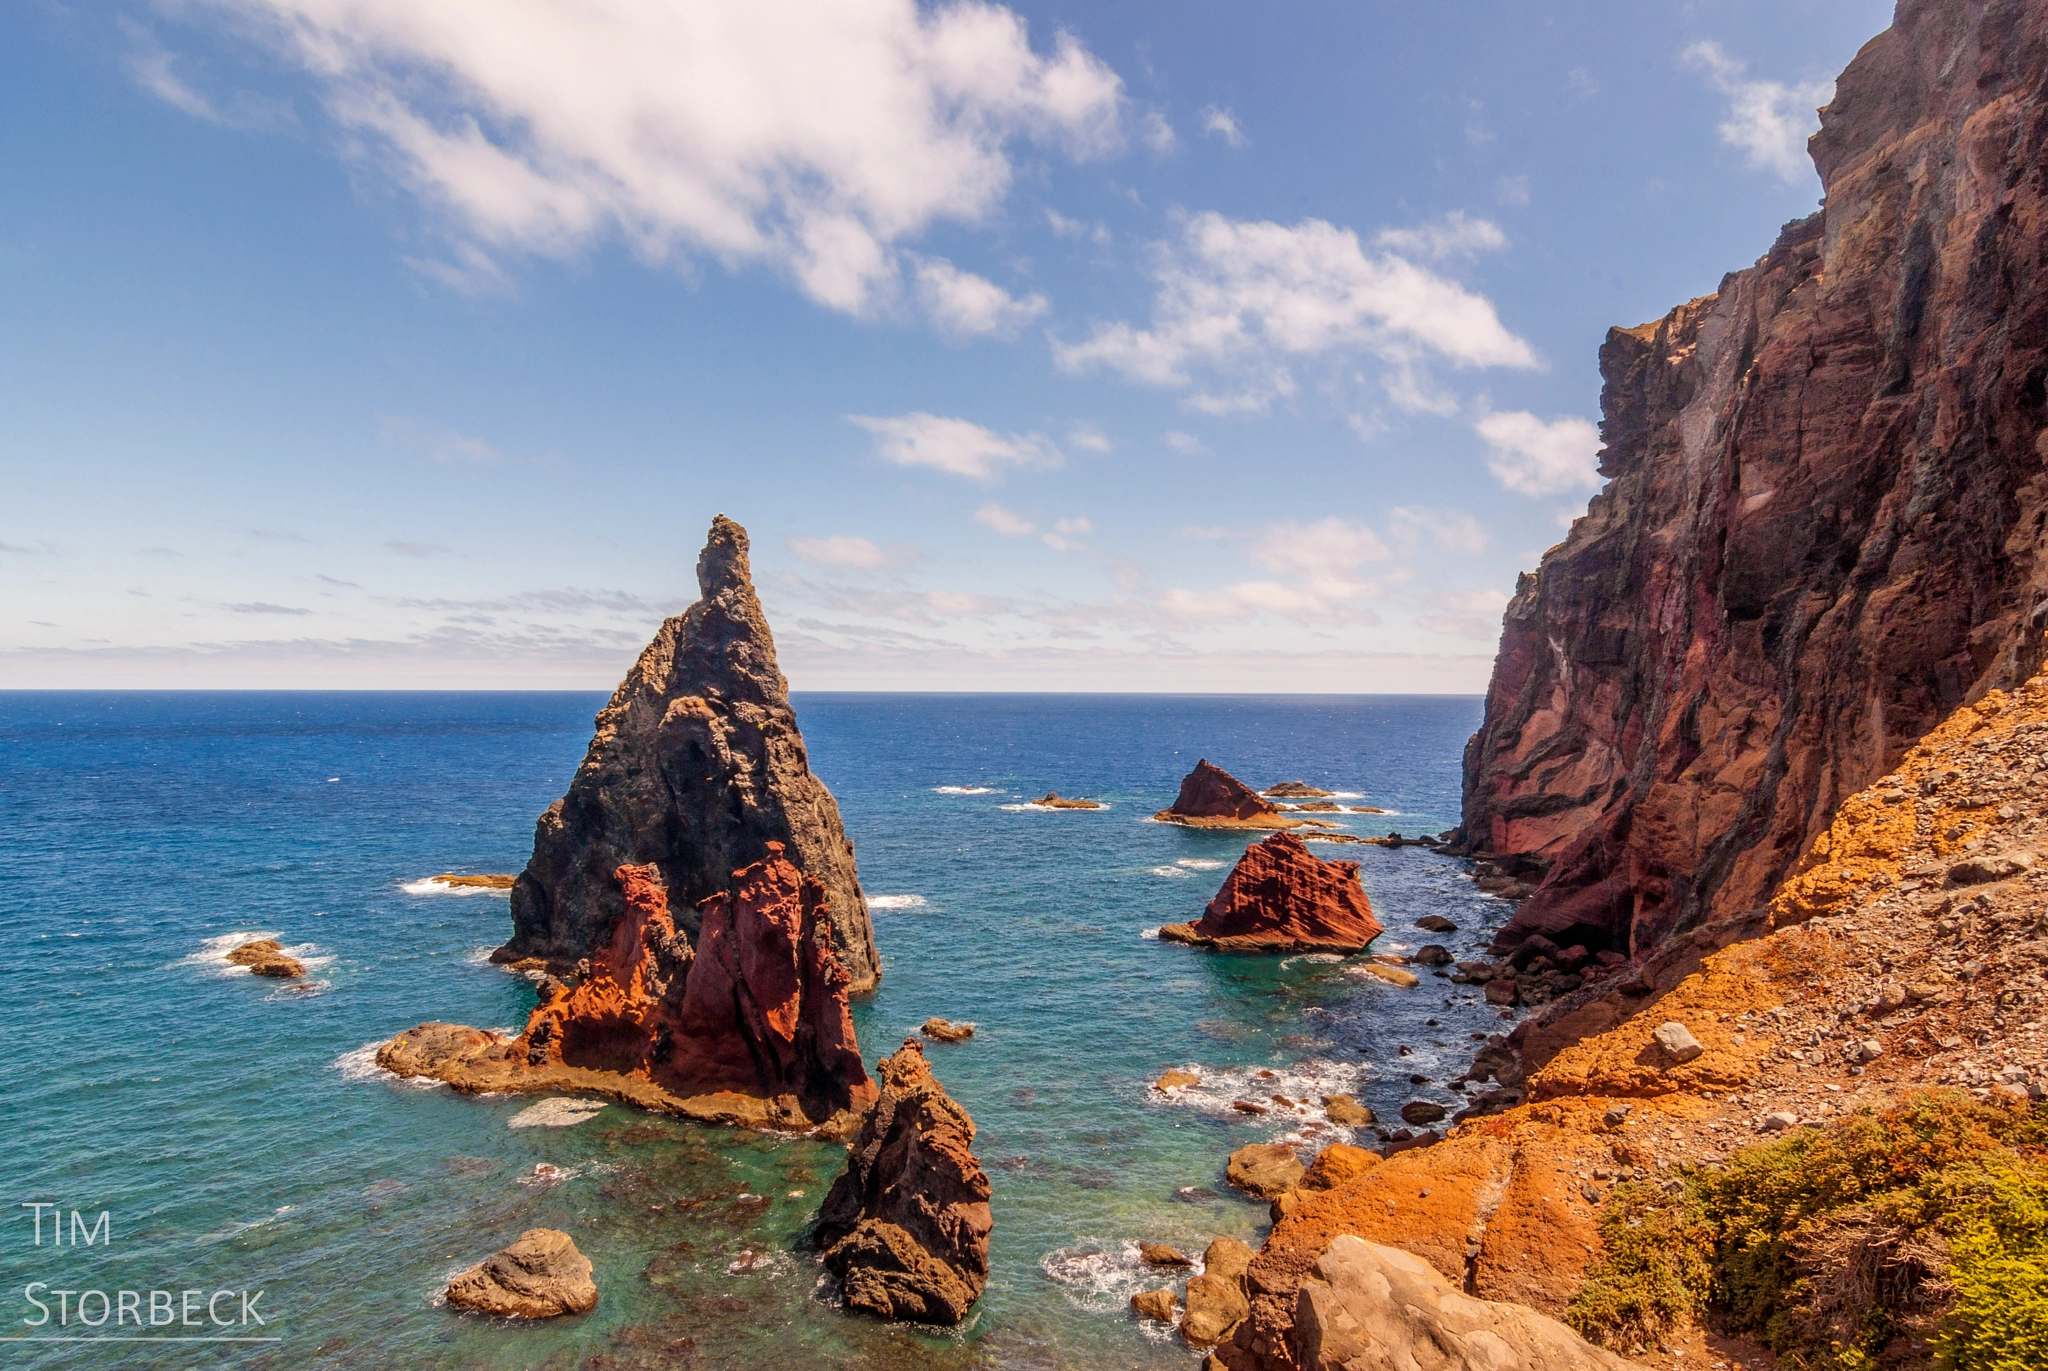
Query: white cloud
x,y
1074,527
1469,613
955,445
1157,133
1006,522
1186,444
964,305
1220,121
840,550
1449,237
1329,602
811,135
1065,532
1769,121
1241,301
1317,548
1088,438
1451,529
1536,457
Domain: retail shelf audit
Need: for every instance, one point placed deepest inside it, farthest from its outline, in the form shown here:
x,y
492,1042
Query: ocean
x,y
239,1138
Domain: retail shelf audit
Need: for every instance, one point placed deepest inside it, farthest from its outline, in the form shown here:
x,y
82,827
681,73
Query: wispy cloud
x,y
1769,121
406,549
1219,122
260,607
963,305
441,443
956,446
842,550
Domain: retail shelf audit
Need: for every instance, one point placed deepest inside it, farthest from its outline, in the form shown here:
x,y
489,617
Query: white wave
x,y
964,790
1312,958
1302,1084
560,1111
1100,1275
896,902
1201,864
434,885
1179,872
361,1064
213,953
546,1175
1152,932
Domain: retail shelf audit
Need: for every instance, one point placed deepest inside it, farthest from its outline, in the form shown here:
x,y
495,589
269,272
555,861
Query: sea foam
x,y
896,902
434,885
963,790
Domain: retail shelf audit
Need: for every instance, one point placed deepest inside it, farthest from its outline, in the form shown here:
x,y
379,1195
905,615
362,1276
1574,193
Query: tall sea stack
x,y
1826,516
695,768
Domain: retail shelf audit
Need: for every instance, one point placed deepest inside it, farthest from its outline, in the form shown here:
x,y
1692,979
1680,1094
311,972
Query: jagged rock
x,y
1267,1170
1158,1305
1821,529
1375,1308
538,1277
1211,797
947,1031
749,1026
265,957
1280,897
1295,790
906,1225
695,767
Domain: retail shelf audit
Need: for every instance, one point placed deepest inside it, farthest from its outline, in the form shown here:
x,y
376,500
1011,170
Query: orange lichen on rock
x,y
751,1026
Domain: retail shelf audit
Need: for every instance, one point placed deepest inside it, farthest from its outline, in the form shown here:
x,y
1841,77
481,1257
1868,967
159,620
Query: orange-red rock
x,y
1824,527
751,1025
1280,897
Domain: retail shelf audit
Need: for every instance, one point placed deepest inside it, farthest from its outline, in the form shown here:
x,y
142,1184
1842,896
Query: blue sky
x,y
1147,346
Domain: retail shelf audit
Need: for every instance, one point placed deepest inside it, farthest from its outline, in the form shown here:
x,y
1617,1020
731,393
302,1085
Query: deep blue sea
x,y
240,1139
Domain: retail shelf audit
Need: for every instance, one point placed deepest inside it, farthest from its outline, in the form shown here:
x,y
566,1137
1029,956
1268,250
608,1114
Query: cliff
x,y
1281,897
748,1025
696,766
1823,525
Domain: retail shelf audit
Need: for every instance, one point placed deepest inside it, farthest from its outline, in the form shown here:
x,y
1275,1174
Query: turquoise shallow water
x,y
240,1139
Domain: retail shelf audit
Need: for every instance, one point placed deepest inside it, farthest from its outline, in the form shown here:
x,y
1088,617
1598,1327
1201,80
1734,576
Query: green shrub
x,y
1657,1273
1999,1272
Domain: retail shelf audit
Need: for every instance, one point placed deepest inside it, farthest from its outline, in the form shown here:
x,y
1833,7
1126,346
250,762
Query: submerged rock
x,y
750,1026
1211,797
1375,1308
1175,1078
540,1276
696,766
1296,790
906,1225
1281,897
265,957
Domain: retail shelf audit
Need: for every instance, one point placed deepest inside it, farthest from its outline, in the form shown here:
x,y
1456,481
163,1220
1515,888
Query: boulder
x,y
265,957
1342,1109
1227,1258
1374,1308
695,767
540,1276
1338,1164
1157,1305
1422,1111
1266,1170
1280,897
751,1025
1433,954
1503,990
1392,975
1677,1043
1175,1079
1435,923
946,1031
1159,1254
1216,1306
906,1225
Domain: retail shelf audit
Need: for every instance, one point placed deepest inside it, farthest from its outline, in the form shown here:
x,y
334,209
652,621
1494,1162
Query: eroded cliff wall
x,y
1824,523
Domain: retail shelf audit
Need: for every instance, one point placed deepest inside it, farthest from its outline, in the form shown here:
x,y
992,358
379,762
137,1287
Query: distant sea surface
x,y
241,1138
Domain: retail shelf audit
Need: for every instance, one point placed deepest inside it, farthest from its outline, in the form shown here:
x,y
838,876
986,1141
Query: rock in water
x,y
946,1031
1283,898
749,1026
1267,1170
1295,790
538,1277
1375,1308
1815,541
1211,797
906,1225
695,767
265,957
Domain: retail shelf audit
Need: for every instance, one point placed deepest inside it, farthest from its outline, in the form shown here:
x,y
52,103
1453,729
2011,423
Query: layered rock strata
x,y
1825,514
906,1225
1906,952
750,1025
541,1276
1280,897
695,767
1211,797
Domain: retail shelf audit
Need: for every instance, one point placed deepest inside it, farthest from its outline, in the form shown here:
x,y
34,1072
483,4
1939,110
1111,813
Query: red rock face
x,y
1210,792
1282,897
758,1007
1824,525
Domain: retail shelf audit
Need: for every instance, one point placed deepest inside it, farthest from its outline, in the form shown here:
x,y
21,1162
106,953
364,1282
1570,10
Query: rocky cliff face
x,y
906,1225
696,766
1824,524
748,1025
1281,897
